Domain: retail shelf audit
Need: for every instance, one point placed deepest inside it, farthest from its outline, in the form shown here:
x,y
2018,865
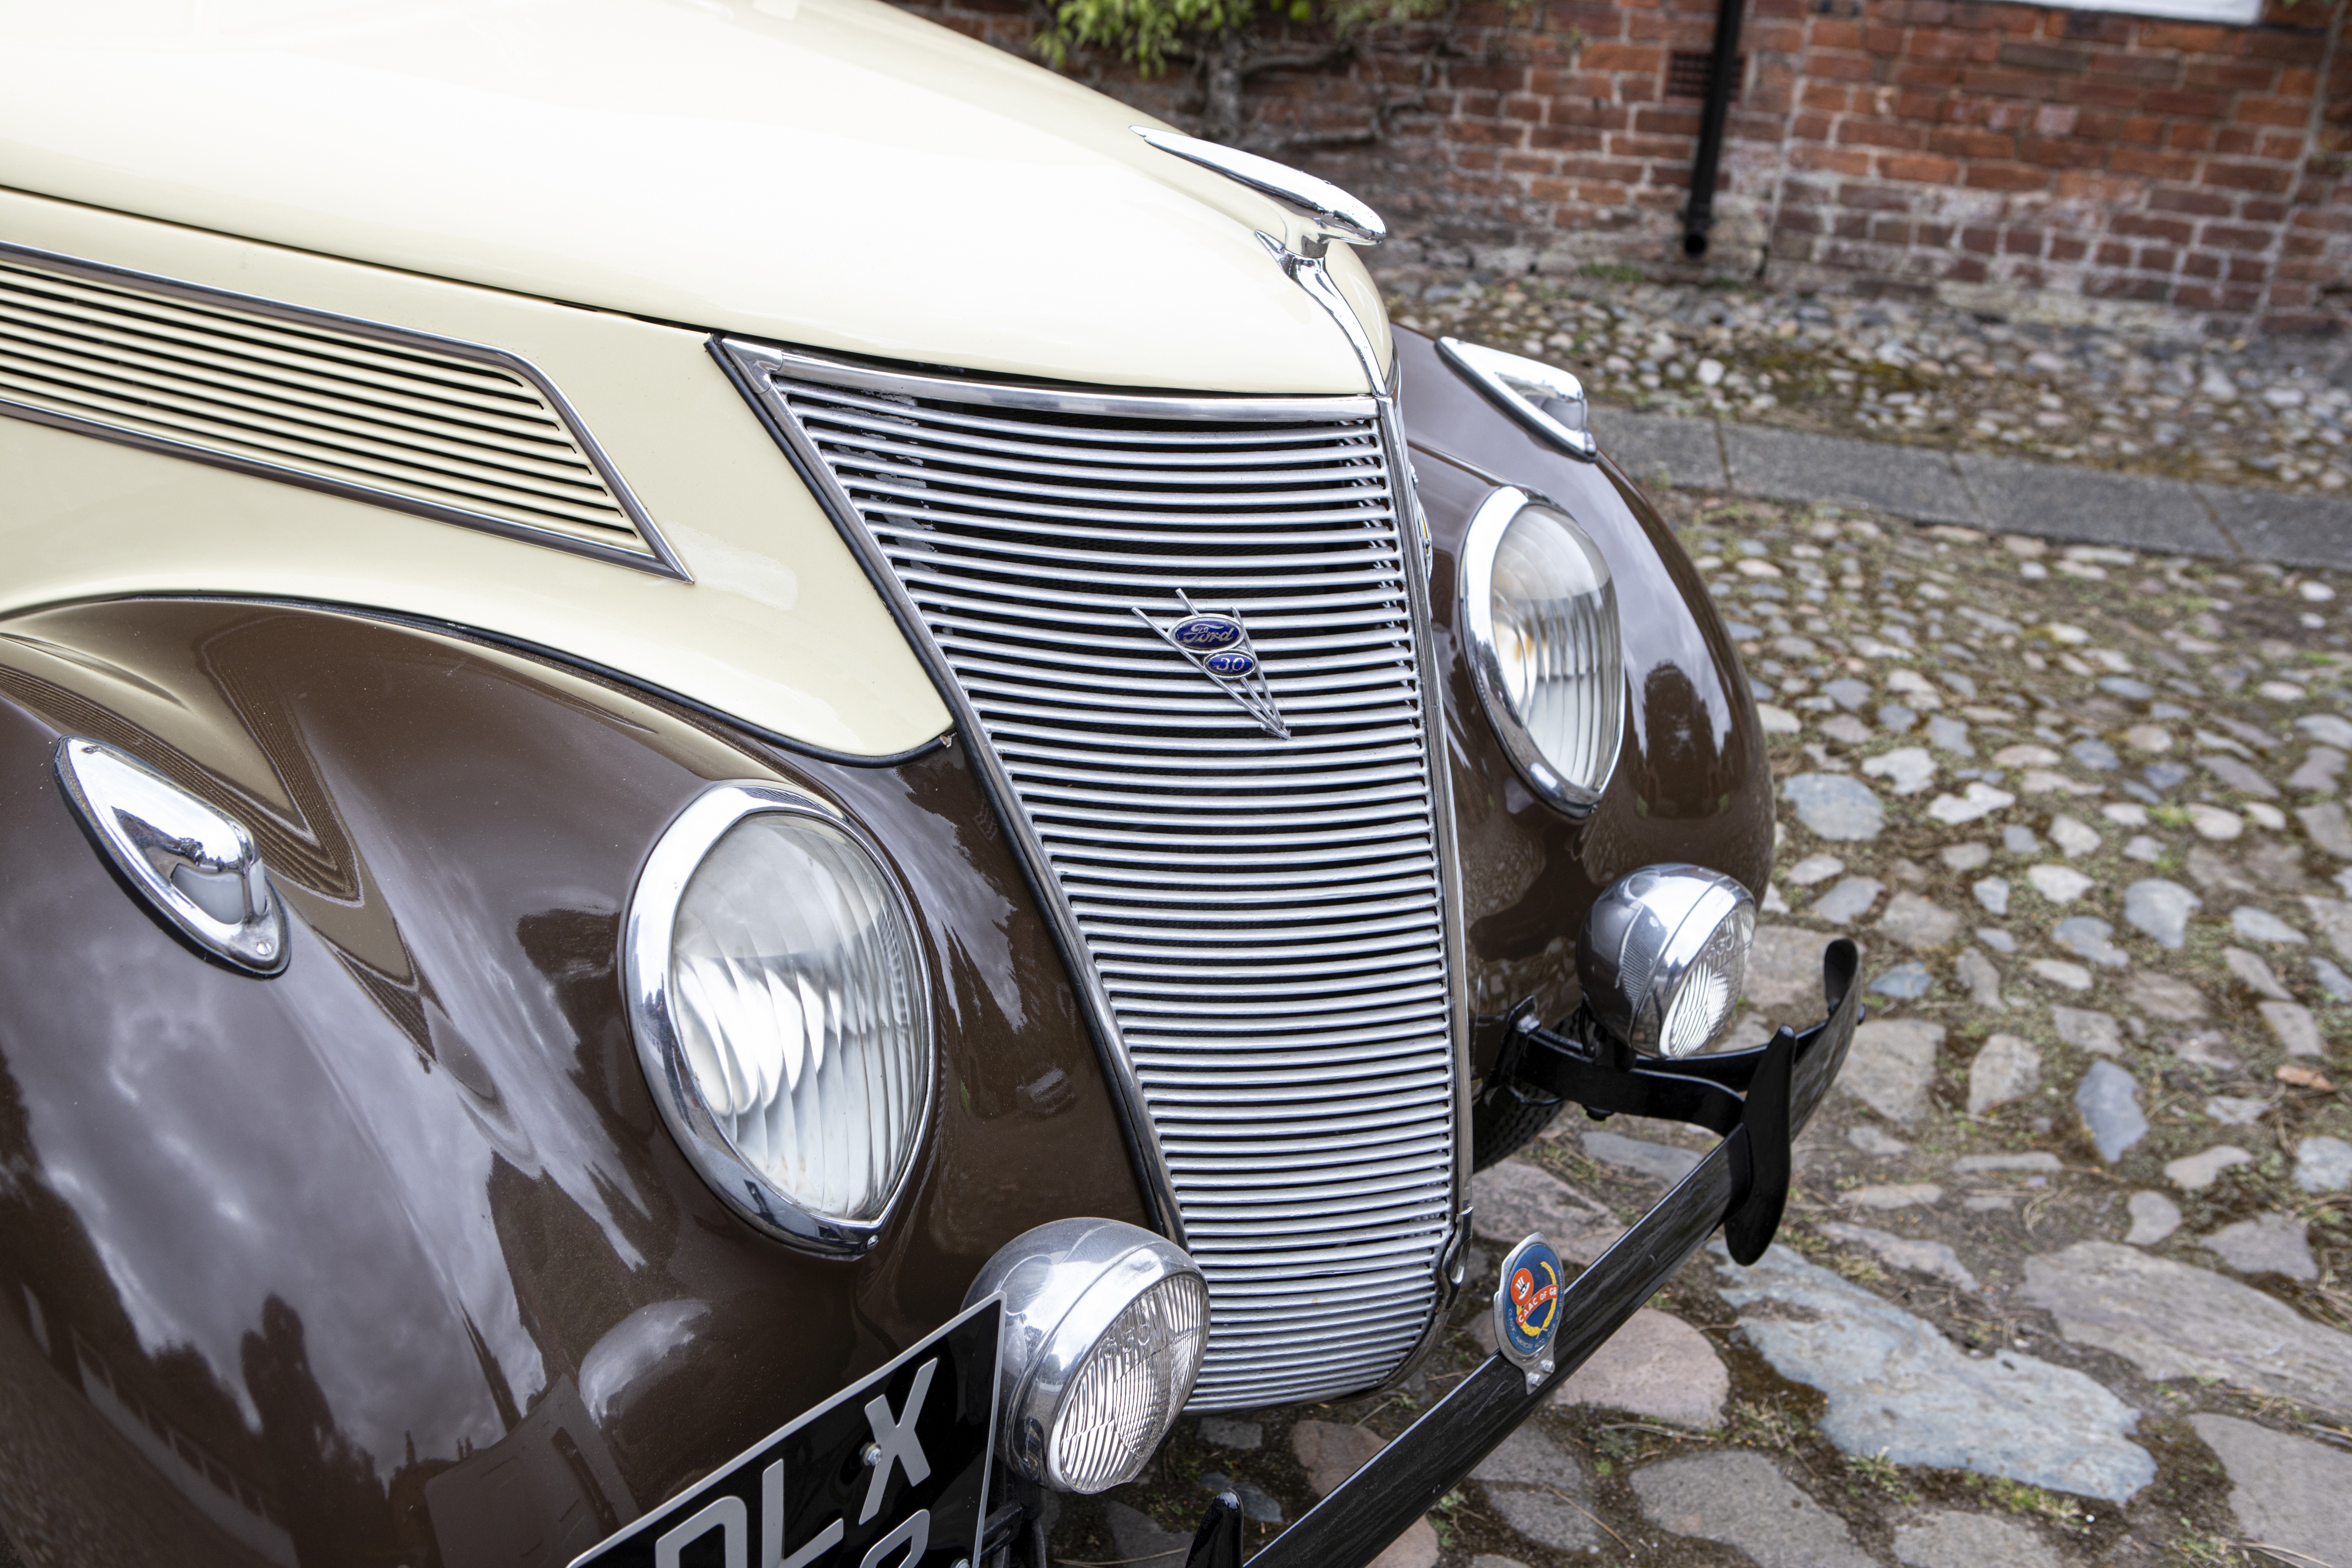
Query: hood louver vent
x,y
447,429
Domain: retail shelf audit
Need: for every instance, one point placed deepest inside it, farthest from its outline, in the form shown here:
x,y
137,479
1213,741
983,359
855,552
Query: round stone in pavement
x,y
2170,1321
1953,1540
1331,1452
1416,1548
1540,1491
2153,1216
2108,1098
1892,1065
1897,1387
1784,972
1246,1437
1141,1542
1513,1199
2323,1164
1836,806
2161,909
2266,1244
1745,1503
1656,1365
2286,1492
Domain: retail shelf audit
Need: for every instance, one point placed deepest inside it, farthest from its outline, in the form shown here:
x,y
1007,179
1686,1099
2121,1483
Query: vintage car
x,y
758,782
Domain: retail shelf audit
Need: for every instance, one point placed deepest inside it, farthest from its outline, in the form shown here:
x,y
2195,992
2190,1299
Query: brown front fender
x,y
389,1259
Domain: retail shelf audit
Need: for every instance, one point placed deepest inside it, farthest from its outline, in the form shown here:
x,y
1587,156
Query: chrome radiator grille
x,y
1264,916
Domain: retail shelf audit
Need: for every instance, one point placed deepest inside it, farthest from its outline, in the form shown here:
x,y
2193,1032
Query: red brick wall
x,y
1964,145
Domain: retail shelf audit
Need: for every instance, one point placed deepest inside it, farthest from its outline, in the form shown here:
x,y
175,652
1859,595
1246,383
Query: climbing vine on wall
x,y
1226,45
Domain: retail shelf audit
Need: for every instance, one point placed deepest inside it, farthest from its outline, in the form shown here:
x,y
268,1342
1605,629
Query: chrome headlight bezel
x,y
1068,1285
1476,619
1560,417
647,941
1643,943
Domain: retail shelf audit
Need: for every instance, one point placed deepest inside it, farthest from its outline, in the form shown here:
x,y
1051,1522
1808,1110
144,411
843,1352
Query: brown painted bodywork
x,y
1692,782
390,1259
393,1249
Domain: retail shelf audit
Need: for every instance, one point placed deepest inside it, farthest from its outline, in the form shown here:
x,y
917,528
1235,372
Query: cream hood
x,y
828,172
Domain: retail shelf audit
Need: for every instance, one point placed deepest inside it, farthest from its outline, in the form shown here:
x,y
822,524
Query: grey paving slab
x,y
2091,507
2297,530
1680,450
1789,465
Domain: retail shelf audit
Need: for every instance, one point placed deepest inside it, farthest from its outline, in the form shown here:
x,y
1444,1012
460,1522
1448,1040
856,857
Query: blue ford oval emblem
x,y
1206,634
1232,663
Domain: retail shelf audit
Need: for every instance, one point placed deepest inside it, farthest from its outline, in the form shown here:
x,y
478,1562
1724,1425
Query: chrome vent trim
x,y
1263,928
455,431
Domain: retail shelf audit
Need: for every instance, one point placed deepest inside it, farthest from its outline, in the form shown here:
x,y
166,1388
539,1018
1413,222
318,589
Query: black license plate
x,y
892,1473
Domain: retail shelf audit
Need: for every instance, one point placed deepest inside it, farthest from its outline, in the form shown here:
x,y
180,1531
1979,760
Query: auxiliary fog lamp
x,y
1104,1328
1663,955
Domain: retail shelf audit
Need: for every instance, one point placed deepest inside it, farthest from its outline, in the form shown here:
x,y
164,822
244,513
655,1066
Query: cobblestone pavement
x,y
2067,1277
2138,398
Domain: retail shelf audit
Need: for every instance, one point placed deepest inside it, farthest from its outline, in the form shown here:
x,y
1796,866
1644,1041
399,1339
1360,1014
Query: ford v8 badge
x,y
1527,1308
1218,645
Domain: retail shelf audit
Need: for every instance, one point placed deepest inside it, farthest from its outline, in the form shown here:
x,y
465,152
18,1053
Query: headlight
x,y
1104,1326
1663,955
781,1011
1545,398
1540,615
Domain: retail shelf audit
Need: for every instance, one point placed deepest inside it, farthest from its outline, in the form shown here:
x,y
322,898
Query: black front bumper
x,y
1358,1520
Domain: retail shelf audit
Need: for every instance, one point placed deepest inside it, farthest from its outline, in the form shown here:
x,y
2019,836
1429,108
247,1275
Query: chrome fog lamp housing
x,y
780,1008
1538,611
1545,398
1663,957
1104,1328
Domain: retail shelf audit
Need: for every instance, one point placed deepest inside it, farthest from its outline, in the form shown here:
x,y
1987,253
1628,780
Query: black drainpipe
x,y
1722,81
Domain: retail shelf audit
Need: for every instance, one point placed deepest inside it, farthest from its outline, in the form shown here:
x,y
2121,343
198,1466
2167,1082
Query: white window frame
x,y
2229,13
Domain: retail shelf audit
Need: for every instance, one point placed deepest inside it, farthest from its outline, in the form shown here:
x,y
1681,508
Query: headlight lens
x,y
1104,1328
1541,614
1662,956
1127,1392
780,1003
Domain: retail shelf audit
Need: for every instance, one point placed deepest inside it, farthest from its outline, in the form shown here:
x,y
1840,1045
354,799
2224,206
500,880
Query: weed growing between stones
x,y
2203,1547
1876,1472
2032,1502
1757,1426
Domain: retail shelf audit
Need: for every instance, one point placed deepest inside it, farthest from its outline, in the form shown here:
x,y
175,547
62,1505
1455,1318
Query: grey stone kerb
x,y
2011,495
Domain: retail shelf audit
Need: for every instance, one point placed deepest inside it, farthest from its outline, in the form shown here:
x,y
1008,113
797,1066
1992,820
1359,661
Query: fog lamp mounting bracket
x,y
1740,1095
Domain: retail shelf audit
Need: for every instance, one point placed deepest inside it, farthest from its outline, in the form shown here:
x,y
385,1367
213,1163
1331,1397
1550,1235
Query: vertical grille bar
x,y
1264,916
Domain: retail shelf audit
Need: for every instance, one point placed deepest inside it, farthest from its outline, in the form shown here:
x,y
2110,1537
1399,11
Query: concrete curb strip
x,y
2008,495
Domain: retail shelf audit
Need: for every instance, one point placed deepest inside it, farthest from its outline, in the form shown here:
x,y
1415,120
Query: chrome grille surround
x,y
1264,928
434,426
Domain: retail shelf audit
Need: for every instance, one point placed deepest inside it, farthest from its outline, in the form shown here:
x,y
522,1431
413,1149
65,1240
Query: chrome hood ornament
x,y
1335,213
1219,646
